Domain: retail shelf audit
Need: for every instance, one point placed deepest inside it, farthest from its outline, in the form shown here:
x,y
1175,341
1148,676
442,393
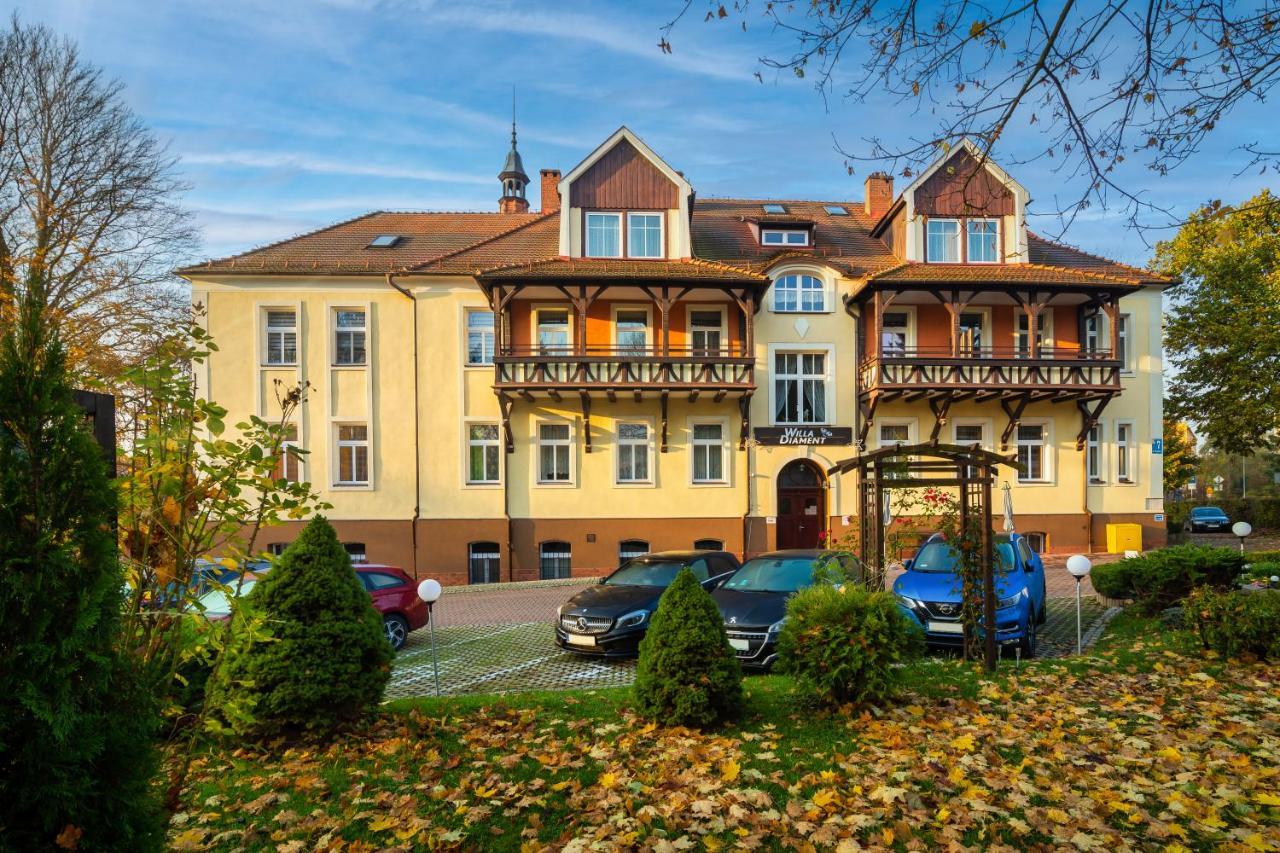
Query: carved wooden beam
x,y
744,410
662,403
1014,412
867,409
940,406
1089,418
586,420
505,402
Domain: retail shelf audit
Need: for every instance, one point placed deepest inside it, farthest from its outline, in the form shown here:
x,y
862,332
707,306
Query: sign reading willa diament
x,y
804,435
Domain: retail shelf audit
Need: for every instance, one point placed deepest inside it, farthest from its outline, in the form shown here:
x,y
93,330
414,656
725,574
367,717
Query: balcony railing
x,y
532,368
983,369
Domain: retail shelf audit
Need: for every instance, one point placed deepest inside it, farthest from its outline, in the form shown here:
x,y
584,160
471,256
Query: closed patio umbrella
x,y
1008,509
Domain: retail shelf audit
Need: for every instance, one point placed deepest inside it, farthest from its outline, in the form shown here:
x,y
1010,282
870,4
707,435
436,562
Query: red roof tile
x,y
924,273
691,270
1051,253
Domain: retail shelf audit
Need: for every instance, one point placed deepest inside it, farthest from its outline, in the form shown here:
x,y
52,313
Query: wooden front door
x,y
802,506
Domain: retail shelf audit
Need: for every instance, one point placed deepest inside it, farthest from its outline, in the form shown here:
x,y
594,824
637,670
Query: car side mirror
x,y
908,563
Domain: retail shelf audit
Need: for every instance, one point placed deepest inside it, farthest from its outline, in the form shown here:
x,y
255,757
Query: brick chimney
x,y
878,194
550,195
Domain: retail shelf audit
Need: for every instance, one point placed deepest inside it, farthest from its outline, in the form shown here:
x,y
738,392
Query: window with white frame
x,y
800,388
942,241
798,293
483,453
1093,454
555,560
1033,453
644,235
891,434
553,330
972,325
784,237
1043,339
1092,332
353,455
893,332
971,433
480,337
604,235
1126,453
706,331
281,344
1122,339
289,463
349,336
708,453
629,549
983,246
631,330
633,453
553,453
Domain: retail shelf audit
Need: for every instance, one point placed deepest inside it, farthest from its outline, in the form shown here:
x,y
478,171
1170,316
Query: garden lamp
x,y
429,591
1242,529
1079,566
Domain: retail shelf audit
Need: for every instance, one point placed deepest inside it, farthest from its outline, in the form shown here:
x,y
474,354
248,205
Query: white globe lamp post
x,y
1242,529
429,591
1079,565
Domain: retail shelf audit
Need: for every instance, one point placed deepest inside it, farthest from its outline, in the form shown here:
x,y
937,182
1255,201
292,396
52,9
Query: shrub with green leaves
x,y
1237,623
1159,579
1262,570
688,674
326,660
845,643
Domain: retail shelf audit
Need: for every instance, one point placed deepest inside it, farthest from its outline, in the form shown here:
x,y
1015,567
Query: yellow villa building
x,y
519,395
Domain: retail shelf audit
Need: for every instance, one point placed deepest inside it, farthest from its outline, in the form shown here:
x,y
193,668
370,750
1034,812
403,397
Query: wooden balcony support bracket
x,y
1089,418
880,302
664,301
719,396
524,393
505,402
867,409
748,305
693,395
554,394
1111,307
611,394
662,405
955,306
744,409
940,406
581,304
586,420
1013,409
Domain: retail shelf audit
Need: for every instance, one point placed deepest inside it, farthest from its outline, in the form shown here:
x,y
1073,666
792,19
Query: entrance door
x,y
802,505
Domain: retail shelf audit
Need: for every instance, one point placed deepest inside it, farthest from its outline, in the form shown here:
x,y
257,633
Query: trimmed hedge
x,y
1237,623
1159,579
688,674
845,643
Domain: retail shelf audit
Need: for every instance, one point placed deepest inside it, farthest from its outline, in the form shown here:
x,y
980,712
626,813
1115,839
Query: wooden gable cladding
x,y
955,190
624,179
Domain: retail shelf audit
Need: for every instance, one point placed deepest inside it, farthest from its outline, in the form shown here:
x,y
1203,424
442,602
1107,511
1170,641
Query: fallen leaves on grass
x,y
1110,759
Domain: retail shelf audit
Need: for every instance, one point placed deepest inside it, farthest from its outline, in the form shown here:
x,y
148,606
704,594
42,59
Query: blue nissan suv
x,y
929,590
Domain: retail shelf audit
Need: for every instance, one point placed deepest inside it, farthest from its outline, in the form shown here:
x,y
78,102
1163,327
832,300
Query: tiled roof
x,y
925,273
1053,254
538,239
691,270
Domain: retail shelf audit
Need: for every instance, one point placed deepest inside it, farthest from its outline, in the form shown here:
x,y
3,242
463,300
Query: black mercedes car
x,y
610,618
753,601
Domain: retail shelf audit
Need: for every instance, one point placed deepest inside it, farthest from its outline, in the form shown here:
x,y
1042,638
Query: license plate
x,y
740,645
580,640
946,627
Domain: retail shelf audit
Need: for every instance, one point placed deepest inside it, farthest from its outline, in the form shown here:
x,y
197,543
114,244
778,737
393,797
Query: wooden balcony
x,y
613,370
988,373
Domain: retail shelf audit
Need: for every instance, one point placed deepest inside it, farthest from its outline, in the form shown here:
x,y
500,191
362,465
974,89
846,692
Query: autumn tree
x,y
1180,459
1104,82
1222,329
87,205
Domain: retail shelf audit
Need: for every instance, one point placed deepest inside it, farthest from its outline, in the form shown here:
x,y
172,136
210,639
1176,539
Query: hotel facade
x,y
520,395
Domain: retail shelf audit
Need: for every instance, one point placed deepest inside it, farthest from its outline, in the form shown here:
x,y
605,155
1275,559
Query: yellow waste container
x,y
1124,537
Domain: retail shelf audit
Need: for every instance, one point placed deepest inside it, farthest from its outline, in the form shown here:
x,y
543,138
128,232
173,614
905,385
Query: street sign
x,y
1157,445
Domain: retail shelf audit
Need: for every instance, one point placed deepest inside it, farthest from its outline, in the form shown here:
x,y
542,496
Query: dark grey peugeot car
x,y
610,618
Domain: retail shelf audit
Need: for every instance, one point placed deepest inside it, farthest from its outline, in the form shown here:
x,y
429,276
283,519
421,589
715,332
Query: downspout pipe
x,y
417,441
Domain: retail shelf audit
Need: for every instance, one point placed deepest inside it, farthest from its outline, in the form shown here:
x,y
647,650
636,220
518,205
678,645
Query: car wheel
x,y
397,630
1028,643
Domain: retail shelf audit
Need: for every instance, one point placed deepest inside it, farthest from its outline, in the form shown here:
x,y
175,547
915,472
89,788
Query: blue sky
x,y
291,114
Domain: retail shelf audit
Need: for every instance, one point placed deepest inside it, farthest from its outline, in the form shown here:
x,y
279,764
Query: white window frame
x,y
1020,317
265,313
986,424
784,237
335,331
537,453
339,444
1048,458
690,309
799,276
1126,453
619,443
287,459
988,326
662,234
726,456
1124,338
959,248
910,311
1095,458
909,423
535,310
490,335
586,232
829,397
968,239
1093,337
468,443
631,306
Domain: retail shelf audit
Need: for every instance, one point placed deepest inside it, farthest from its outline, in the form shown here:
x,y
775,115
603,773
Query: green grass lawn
x,y
1144,743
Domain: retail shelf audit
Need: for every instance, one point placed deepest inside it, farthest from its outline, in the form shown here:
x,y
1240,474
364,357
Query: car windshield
x,y
215,600
773,574
646,573
1204,511
941,557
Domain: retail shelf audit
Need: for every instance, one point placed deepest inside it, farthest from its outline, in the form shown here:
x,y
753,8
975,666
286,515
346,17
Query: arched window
x,y
708,545
629,549
555,560
357,552
484,562
799,475
799,293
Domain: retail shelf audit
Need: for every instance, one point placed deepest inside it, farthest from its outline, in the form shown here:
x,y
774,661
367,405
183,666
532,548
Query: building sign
x,y
1157,446
804,435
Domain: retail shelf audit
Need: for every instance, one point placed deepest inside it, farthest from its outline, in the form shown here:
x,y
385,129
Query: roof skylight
x,y
384,241
773,207
835,210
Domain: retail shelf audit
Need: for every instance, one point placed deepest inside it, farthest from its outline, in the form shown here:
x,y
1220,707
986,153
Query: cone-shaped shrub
x,y
687,674
328,659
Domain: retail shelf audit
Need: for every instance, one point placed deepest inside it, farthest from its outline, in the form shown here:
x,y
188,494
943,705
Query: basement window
x,y
384,241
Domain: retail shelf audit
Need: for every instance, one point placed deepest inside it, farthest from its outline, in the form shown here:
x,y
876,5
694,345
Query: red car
x,y
395,595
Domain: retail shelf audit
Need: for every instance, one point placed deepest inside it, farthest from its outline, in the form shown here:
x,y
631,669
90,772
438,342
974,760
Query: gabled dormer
x,y
624,201
960,210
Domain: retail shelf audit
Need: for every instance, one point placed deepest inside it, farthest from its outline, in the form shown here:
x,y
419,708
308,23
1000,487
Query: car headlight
x,y
777,626
908,602
633,619
1011,601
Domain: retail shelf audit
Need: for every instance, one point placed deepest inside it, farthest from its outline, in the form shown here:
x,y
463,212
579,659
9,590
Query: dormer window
x,y
644,235
983,241
784,237
942,243
604,235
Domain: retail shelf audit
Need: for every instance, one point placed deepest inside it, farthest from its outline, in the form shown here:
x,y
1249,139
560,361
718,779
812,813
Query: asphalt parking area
x,y
520,654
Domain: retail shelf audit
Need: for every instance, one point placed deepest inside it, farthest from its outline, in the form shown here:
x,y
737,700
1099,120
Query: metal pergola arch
x,y
908,466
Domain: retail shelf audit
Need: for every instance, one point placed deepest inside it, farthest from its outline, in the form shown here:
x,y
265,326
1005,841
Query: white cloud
x,y
330,166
